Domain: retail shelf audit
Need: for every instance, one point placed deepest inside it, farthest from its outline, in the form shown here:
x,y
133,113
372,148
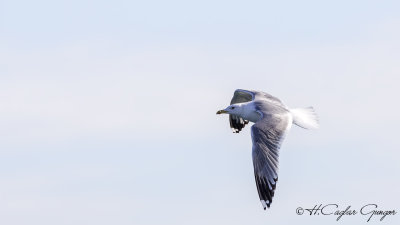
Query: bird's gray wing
x,y
237,123
267,135
241,95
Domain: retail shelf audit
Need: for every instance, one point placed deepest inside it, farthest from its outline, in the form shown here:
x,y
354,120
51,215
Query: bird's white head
x,y
235,109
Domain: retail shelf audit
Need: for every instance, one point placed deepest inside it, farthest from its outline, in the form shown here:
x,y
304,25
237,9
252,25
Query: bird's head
x,y
234,109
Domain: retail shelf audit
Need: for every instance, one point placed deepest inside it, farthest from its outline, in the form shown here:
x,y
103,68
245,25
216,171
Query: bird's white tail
x,y
305,117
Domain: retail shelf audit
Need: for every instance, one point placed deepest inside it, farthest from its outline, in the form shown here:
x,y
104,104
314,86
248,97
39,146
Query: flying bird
x,y
272,121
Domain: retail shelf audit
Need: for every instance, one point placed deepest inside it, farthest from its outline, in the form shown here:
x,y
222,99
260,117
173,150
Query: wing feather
x,y
267,135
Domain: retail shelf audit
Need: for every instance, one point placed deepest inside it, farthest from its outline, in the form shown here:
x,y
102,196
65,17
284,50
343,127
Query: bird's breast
x,y
252,116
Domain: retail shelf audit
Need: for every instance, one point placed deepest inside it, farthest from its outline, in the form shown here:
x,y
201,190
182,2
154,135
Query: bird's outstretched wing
x,y
267,135
240,95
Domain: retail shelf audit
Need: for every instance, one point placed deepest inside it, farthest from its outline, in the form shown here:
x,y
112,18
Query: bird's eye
x,y
233,107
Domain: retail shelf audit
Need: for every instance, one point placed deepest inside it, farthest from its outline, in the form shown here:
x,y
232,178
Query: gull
x,y
272,121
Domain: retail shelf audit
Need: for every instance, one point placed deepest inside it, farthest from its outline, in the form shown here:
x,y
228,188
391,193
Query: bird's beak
x,y
221,112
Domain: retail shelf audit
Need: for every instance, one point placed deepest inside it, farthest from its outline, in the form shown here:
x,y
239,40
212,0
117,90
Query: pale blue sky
x,y
107,111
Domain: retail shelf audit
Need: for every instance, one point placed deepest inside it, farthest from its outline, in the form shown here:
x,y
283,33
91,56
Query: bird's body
x,y
254,111
272,120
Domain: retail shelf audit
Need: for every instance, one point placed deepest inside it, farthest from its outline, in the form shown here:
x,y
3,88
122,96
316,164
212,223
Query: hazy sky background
x,y
107,109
